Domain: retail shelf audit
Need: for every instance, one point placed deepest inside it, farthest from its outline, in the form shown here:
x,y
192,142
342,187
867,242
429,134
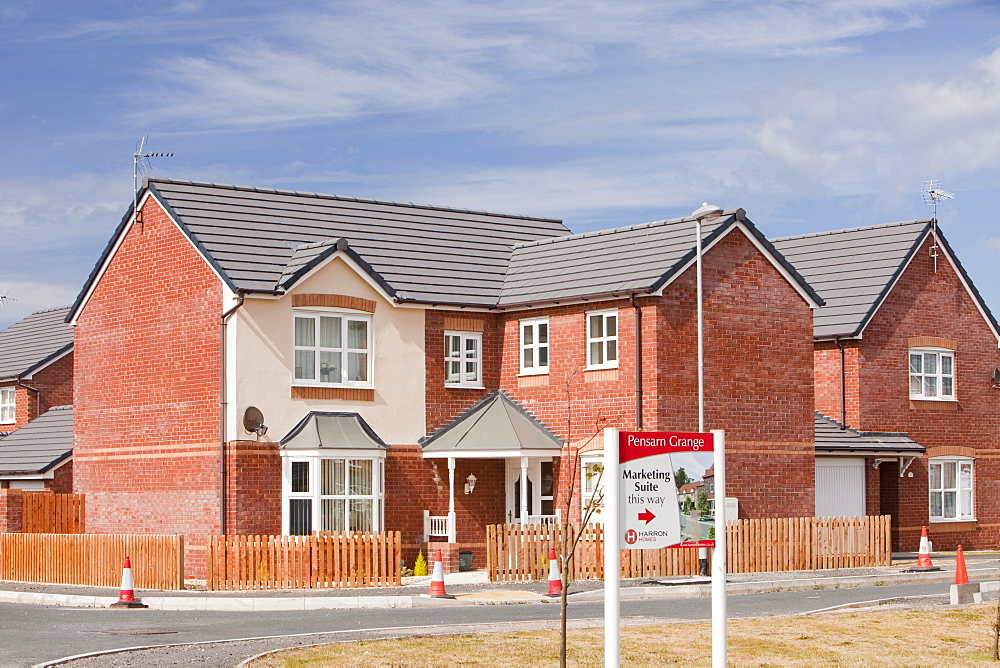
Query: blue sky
x,y
809,115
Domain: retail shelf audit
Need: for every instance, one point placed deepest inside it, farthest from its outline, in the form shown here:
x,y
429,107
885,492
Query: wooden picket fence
x,y
45,512
328,559
515,552
94,560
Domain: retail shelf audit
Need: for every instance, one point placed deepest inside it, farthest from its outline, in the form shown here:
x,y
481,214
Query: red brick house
x,y
262,361
905,355
36,375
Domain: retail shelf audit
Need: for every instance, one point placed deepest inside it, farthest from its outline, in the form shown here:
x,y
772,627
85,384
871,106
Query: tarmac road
x,y
31,635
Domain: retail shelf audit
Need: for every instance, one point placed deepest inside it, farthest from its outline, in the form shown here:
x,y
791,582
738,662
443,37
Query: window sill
x,y
540,372
942,526
320,392
454,386
934,404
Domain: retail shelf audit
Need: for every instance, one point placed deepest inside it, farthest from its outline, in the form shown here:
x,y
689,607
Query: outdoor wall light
x,y
470,484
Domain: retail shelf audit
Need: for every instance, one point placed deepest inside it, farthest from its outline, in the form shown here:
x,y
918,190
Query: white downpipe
x,y
451,500
612,571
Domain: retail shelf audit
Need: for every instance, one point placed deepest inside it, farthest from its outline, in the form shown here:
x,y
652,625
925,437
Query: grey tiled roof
x,y
27,344
39,445
261,238
833,438
638,258
496,423
855,269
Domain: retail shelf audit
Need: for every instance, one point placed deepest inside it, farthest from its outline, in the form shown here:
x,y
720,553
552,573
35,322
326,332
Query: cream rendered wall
x,y
263,361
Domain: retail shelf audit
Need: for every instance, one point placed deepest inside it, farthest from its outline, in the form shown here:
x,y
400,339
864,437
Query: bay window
x,y
333,494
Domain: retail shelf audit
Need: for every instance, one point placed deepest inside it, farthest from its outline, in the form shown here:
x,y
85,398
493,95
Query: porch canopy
x,y
836,439
496,427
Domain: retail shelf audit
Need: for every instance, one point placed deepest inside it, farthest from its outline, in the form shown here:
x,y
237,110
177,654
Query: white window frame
x,y
463,359
963,489
604,340
314,493
346,318
938,378
589,484
8,405
535,346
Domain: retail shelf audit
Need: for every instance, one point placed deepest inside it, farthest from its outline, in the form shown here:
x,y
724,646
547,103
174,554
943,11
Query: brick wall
x,y
54,385
11,515
253,488
146,396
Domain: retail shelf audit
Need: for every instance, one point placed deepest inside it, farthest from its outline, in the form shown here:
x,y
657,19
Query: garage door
x,y
840,486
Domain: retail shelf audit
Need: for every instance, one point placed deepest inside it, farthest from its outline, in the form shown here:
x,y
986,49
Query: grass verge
x,y
952,636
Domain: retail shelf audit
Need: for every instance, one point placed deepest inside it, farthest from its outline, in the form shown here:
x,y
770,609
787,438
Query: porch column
x,y
524,490
451,500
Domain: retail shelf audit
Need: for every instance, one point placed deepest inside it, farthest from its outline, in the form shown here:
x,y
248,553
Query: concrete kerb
x,y
674,589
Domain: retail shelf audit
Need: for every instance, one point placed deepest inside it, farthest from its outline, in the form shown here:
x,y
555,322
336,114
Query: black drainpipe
x,y
638,363
223,409
843,385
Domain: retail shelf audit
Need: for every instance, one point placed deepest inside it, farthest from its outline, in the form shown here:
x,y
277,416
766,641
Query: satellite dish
x,y
253,421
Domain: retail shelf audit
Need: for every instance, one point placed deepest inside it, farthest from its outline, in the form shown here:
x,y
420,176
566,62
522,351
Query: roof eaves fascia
x,y
342,246
691,256
57,461
891,283
195,241
969,285
95,273
41,364
784,266
578,299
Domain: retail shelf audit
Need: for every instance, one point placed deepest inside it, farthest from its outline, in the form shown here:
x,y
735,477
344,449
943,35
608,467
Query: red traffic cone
x,y
437,579
961,575
924,556
127,599
555,579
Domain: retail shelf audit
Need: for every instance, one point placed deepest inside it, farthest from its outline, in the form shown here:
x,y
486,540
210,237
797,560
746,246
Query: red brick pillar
x,y
10,511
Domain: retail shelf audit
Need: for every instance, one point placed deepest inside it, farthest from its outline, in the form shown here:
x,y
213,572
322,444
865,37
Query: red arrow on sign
x,y
648,516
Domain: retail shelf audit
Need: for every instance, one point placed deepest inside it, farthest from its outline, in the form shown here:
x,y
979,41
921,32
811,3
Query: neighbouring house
x,y
261,361
36,375
906,352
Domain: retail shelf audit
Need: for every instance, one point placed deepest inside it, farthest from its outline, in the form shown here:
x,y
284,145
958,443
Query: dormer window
x,y
932,374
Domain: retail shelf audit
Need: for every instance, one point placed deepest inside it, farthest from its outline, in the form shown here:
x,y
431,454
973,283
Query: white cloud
x,y
391,56
864,138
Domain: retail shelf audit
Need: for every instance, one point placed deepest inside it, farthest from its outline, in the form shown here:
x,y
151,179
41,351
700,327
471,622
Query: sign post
x,y
612,557
644,510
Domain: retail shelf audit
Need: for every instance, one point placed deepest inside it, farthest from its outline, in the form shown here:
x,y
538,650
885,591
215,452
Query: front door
x,y
540,492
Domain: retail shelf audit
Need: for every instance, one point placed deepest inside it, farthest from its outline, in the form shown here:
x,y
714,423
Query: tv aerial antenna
x,y
140,162
5,298
932,195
